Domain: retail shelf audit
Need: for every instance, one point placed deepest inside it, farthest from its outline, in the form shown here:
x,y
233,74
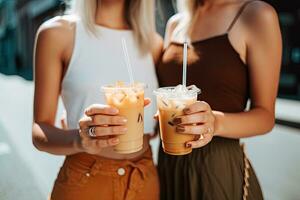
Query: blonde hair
x,y
187,8
190,6
139,15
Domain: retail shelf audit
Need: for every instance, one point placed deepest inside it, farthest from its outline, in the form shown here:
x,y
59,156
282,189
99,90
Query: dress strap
x,y
239,14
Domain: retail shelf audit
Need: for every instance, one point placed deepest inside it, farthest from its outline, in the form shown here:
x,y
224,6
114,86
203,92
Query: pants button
x,y
121,171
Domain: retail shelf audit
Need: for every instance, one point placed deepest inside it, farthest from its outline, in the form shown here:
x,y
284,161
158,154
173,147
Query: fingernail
x,y
123,120
114,111
115,140
186,110
177,121
87,111
188,145
180,129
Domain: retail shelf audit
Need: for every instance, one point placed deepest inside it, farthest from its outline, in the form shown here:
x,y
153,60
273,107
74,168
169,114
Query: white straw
x,y
184,65
127,61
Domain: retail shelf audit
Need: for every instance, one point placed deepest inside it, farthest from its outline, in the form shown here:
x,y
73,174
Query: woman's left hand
x,y
198,119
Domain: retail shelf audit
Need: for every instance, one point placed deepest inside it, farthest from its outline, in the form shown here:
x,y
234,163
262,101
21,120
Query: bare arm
x,y
51,41
264,49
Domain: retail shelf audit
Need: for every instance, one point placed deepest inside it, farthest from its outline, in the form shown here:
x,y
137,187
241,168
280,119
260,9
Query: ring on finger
x,y
91,131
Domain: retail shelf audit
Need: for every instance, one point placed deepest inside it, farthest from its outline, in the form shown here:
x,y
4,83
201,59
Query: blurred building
x,y
289,15
19,21
7,36
165,9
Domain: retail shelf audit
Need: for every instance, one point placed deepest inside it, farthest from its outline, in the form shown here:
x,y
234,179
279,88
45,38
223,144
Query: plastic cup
x,y
129,100
170,105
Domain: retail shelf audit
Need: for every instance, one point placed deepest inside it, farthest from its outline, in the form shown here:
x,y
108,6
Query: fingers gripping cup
x,y
129,100
171,101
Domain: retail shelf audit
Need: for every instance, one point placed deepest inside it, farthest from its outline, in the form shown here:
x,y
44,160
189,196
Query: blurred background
x,y
28,174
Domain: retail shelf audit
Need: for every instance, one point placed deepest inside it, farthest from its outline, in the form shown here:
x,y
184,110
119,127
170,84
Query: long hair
x,y
187,8
139,15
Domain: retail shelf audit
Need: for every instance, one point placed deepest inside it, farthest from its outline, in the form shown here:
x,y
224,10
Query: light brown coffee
x,y
129,100
170,107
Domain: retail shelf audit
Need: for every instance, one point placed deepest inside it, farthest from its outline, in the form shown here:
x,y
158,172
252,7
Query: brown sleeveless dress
x,y
219,170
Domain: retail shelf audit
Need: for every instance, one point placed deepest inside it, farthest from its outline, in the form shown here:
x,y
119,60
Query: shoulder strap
x,y
240,11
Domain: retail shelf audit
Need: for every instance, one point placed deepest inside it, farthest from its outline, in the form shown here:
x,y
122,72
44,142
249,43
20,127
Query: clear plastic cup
x,y
129,100
171,101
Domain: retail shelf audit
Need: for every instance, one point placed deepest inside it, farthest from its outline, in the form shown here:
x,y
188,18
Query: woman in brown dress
x,y
234,56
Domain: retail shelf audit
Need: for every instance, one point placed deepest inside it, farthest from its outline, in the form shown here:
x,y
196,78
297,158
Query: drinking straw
x,y
184,65
127,61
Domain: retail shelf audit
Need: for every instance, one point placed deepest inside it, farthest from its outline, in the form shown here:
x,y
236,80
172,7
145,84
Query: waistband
x,y
89,159
225,141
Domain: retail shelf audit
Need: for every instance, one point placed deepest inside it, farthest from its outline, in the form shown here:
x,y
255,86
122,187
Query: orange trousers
x,y
88,177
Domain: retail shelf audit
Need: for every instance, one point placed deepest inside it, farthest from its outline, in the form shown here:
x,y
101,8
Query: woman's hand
x,y
198,119
99,128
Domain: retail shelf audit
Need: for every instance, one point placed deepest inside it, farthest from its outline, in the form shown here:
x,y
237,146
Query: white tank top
x,y
97,61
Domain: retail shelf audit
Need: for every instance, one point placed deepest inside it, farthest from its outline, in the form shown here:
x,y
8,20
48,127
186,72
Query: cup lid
x,y
178,91
123,86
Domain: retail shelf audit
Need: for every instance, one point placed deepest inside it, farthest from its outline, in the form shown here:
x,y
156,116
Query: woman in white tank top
x,y
74,56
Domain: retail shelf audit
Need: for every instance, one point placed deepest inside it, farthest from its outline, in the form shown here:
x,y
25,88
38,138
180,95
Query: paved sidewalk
x,y
17,180
40,169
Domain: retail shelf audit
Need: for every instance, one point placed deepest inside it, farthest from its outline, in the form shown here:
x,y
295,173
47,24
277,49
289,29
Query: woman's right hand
x,y
107,124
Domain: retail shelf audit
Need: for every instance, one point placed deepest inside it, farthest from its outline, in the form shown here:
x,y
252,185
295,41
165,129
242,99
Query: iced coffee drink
x,y
129,100
171,101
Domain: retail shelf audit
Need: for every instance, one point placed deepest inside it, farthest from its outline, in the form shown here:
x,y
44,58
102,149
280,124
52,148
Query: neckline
x,y
203,40
200,41
115,30
210,38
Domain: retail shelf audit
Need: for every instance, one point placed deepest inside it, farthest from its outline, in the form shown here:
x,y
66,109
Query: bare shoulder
x,y
59,29
260,14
